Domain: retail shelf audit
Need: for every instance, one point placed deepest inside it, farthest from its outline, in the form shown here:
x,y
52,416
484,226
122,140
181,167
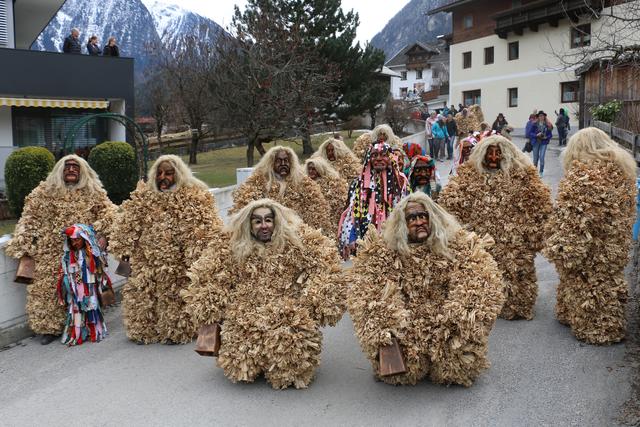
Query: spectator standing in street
x,y
72,43
452,130
111,48
92,46
499,123
540,134
453,110
440,137
429,133
563,126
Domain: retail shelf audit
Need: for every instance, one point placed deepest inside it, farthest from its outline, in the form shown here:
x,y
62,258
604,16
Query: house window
x,y
466,60
569,91
513,97
581,36
488,55
516,3
467,21
418,74
403,75
434,73
471,97
514,51
403,92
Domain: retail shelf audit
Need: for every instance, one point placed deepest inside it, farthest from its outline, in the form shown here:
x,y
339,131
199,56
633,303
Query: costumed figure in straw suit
x,y
72,193
340,157
334,187
431,286
163,229
590,236
499,192
280,177
272,282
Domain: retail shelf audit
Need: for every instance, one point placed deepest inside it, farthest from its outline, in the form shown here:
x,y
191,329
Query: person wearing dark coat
x,y
72,43
111,48
92,46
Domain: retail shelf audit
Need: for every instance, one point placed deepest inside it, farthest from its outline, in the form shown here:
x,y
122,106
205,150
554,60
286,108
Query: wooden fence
x,y
625,138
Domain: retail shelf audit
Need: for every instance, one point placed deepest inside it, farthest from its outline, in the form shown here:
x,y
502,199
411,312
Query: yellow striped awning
x,y
52,103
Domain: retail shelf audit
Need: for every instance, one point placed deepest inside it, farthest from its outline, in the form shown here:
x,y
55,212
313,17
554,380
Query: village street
x,y
540,375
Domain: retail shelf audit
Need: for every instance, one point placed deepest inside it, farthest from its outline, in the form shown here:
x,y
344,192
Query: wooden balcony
x,y
531,15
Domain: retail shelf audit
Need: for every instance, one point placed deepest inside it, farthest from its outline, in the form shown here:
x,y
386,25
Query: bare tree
x,y
397,113
264,79
613,36
188,70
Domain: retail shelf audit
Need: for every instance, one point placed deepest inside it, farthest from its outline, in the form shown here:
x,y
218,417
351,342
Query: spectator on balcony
x,y
499,123
111,48
72,42
92,46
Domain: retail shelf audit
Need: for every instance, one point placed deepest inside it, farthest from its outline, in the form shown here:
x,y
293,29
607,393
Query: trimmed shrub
x,y
115,163
24,170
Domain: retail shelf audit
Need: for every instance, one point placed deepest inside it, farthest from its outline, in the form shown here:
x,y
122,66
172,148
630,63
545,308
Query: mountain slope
x,y
411,24
137,26
172,22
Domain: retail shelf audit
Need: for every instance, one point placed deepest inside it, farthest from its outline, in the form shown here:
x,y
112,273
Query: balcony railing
x,y
36,74
533,14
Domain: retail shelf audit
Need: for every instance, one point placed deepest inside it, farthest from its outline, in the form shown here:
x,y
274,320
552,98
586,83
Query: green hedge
x,y
115,163
24,170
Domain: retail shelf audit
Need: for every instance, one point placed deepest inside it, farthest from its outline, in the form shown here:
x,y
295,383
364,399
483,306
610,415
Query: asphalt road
x,y
540,375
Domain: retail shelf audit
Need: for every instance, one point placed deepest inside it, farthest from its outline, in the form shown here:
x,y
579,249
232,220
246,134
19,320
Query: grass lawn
x,y
7,226
218,167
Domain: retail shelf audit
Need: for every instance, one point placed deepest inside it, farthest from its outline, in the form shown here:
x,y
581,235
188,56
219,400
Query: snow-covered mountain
x,y
172,21
137,25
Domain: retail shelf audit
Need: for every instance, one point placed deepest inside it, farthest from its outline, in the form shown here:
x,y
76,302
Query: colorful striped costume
x,y
80,286
371,197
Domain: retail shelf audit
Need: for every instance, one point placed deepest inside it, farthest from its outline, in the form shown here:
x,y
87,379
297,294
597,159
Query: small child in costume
x,y
81,284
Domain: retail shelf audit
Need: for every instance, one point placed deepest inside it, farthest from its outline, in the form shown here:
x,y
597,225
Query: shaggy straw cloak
x,y
334,190
305,199
163,233
37,234
361,145
441,309
348,167
589,238
513,209
471,122
346,163
271,305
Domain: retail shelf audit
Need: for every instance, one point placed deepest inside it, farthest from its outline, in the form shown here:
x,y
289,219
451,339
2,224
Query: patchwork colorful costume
x,y
82,280
371,198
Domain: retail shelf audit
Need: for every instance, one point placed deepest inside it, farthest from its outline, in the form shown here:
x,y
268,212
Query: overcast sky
x,y
374,14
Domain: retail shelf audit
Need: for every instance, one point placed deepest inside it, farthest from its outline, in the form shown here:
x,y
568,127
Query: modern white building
x,y
43,94
505,55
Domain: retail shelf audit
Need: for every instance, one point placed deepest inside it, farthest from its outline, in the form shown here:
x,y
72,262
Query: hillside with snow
x,y
137,26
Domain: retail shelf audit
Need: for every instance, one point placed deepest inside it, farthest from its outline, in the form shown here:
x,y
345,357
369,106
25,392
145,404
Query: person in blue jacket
x,y
440,136
540,133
